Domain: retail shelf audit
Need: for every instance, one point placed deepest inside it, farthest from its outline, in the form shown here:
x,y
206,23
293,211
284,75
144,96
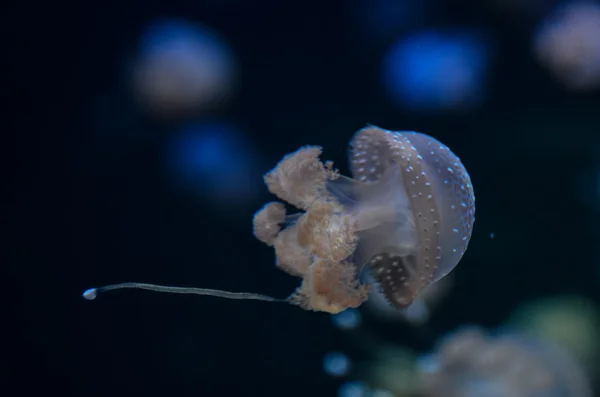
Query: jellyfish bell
x,y
414,205
406,218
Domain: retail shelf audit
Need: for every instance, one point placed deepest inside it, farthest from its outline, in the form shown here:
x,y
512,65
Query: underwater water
x,y
383,199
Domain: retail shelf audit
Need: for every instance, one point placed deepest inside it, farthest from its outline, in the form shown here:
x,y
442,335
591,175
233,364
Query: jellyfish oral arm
x,y
91,293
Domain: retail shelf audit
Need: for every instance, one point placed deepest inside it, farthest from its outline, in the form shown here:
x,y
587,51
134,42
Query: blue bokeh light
x,y
216,160
336,364
437,69
348,319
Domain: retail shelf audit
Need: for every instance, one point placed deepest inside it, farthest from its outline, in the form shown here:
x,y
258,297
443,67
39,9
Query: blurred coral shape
x,y
470,363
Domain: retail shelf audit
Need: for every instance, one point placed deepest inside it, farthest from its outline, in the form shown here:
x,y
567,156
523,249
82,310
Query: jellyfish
x,y
471,363
406,218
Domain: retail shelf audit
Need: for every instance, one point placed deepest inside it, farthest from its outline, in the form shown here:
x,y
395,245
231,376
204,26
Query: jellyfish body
x,y
440,211
406,217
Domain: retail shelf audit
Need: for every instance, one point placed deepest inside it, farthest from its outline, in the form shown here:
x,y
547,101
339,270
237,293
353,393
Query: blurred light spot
x,y
568,44
348,319
353,389
216,161
437,70
183,68
336,364
492,235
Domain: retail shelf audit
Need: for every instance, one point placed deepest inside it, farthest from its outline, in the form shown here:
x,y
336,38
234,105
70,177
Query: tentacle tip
x,y
90,294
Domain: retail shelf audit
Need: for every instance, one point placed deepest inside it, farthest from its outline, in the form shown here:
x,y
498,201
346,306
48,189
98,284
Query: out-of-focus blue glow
x,y
353,389
348,319
437,69
336,364
183,67
215,160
